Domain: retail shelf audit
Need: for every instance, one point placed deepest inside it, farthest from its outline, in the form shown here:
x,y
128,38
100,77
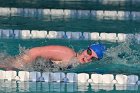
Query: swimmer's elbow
x,y
34,53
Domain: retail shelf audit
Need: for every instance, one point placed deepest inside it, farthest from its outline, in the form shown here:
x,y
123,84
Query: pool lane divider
x,y
36,34
69,13
94,78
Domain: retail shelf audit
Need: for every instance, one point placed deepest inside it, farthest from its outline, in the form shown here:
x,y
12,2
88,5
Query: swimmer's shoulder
x,y
59,47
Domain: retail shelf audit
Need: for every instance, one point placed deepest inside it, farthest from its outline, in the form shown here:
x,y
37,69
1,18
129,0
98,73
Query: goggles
x,y
89,52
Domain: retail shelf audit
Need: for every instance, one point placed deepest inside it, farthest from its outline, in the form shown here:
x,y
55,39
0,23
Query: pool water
x,y
121,17
43,87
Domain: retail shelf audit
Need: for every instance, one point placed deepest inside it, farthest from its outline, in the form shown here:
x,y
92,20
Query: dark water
x,y
132,5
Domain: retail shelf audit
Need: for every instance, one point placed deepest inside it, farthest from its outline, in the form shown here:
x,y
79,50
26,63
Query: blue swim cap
x,y
99,49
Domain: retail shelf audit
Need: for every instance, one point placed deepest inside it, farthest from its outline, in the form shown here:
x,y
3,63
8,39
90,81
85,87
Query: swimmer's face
x,y
88,56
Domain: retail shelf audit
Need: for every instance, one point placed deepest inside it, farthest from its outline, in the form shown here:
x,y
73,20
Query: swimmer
x,y
60,55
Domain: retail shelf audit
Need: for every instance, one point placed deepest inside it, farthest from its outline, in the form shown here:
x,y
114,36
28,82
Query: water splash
x,y
43,65
122,54
123,58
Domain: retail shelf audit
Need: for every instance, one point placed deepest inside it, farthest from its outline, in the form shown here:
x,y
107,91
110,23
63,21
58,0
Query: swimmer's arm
x,y
21,61
26,58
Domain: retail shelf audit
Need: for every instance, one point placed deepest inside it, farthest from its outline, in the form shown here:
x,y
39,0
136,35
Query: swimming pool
x,y
116,24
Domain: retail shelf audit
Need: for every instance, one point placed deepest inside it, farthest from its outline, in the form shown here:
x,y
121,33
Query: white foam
x,y
83,77
34,76
24,75
10,75
72,77
2,74
121,79
107,78
46,76
132,79
97,78
57,77
25,34
95,36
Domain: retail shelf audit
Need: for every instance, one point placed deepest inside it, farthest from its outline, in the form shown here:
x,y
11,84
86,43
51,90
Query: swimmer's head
x,y
94,52
99,50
